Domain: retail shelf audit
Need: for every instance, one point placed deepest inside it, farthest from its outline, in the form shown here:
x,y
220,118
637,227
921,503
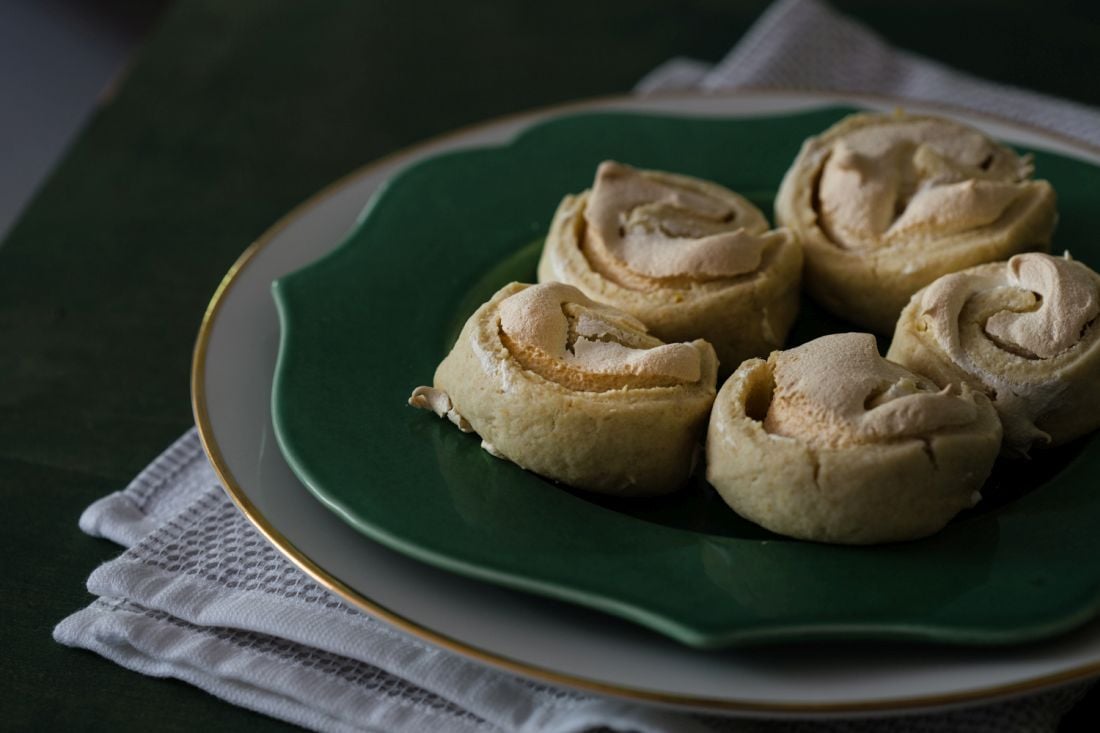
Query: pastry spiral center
x,y
665,227
837,391
1067,302
900,181
1036,307
555,331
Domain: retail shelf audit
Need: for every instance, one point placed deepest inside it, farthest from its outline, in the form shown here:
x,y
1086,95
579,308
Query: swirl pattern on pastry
x,y
831,442
1024,332
576,391
687,257
885,204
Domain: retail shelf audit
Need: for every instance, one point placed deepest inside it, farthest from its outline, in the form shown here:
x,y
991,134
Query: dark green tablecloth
x,y
232,113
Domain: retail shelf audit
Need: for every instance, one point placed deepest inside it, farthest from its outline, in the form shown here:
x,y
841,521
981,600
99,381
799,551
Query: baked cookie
x,y
688,258
576,391
1023,332
885,204
830,442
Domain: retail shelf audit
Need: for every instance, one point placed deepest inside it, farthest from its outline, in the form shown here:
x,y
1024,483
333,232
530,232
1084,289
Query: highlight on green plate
x,y
366,325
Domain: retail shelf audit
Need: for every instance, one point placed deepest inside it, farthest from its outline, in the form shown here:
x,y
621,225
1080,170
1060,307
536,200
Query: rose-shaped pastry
x,y
1024,332
831,442
885,204
688,258
576,391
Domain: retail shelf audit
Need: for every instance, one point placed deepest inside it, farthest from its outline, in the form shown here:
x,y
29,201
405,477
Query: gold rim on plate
x,y
362,602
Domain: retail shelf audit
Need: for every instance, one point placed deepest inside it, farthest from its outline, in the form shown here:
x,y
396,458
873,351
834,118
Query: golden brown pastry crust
x,y
687,257
830,442
1024,332
885,204
576,391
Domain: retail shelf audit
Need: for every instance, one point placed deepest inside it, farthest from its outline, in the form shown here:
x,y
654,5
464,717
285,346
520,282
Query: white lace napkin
x,y
200,596
806,45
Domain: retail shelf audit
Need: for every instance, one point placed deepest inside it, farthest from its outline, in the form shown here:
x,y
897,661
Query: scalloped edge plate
x,y
364,325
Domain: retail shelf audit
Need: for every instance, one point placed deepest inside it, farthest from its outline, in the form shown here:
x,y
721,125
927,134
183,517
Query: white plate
x,y
536,637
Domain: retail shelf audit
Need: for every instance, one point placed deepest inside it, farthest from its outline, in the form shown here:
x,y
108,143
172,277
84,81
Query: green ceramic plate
x,y
364,326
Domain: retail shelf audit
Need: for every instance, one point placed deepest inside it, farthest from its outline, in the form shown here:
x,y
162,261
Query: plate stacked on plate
x,y
365,323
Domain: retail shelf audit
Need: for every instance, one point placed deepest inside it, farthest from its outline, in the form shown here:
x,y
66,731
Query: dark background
x,y
230,114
